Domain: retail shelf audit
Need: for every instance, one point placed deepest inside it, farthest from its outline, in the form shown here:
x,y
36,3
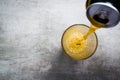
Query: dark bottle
x,y
103,13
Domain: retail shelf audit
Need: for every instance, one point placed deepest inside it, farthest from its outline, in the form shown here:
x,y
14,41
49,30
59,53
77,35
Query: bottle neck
x,y
103,13
115,3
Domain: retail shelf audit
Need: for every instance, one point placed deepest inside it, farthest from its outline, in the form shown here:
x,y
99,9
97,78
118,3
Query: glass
x,y
74,43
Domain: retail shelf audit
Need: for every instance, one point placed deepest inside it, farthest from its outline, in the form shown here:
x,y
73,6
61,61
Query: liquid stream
x,y
92,29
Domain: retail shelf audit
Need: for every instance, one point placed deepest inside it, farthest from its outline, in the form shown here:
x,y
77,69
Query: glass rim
x,y
86,27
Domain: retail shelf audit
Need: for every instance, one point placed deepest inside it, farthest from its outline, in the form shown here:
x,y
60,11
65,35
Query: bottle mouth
x,y
100,19
103,13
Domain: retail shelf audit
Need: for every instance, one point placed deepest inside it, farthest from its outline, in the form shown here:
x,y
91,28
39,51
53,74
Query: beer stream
x,y
91,30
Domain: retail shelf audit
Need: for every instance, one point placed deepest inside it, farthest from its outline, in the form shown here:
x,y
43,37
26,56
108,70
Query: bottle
x,y
103,13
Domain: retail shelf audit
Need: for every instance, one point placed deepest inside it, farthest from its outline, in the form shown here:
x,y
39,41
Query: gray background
x,y
30,42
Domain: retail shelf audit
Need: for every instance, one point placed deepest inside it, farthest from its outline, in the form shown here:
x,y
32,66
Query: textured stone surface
x,y
30,42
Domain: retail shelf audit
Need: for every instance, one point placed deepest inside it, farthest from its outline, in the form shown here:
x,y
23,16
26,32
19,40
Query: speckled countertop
x,y
30,42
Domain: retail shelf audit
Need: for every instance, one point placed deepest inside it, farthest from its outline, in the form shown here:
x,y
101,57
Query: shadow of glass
x,y
63,68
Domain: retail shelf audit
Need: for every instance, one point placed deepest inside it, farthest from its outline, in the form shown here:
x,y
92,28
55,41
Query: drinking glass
x,y
75,45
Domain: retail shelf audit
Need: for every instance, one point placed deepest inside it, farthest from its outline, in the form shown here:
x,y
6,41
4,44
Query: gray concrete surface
x,y
30,42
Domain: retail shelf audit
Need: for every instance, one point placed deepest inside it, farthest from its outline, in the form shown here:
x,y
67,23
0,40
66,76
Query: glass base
x,y
74,43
